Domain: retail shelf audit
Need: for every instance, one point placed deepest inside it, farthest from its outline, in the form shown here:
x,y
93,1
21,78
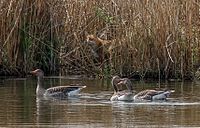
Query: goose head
x,y
123,95
127,83
115,81
38,73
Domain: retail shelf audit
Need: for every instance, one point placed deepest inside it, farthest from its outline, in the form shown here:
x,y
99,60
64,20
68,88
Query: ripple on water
x,y
89,99
164,103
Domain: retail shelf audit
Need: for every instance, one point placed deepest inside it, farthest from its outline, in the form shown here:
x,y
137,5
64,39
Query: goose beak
x,y
33,72
121,82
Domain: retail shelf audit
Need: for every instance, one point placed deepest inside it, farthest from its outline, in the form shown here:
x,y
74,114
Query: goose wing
x,y
64,90
148,94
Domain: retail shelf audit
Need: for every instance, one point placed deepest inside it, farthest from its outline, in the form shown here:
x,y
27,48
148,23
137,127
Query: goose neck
x,y
114,86
39,89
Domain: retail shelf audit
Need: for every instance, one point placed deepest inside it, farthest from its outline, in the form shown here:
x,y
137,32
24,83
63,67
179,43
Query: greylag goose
x,y
152,95
124,95
148,94
58,91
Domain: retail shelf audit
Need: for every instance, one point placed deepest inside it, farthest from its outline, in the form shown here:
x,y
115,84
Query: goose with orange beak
x,y
58,91
148,94
124,95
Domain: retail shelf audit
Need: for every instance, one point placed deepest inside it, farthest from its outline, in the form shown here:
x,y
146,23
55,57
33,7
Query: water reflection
x,y
19,106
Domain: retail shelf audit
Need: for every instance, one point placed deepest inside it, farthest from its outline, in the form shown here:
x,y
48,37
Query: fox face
x,y
100,47
97,40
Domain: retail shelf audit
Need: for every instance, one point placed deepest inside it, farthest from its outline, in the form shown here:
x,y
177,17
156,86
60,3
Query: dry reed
x,y
154,38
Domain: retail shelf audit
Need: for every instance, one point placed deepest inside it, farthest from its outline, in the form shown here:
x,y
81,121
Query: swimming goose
x,y
59,91
124,95
150,94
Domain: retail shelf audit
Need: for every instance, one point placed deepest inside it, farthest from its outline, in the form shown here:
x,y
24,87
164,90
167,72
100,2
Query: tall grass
x,y
26,36
154,38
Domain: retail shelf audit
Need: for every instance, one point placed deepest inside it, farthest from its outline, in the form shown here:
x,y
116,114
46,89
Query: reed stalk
x,y
158,39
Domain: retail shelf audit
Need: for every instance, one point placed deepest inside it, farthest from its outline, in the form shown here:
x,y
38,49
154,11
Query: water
x,y
21,108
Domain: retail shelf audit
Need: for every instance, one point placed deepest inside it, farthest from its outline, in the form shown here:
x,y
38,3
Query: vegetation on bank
x,y
154,38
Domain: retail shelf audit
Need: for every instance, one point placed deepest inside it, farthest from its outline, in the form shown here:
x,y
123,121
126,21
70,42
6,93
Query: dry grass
x,y
153,38
27,39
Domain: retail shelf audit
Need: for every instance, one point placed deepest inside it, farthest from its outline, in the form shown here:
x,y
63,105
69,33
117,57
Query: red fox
x,y
101,48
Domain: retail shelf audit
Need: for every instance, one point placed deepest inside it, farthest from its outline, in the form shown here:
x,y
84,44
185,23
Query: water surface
x,y
20,106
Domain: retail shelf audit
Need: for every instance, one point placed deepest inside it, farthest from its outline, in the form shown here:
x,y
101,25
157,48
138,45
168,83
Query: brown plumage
x,y
124,95
148,94
58,91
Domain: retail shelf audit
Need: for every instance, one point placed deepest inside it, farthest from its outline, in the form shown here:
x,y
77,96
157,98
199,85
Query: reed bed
x,y
154,38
